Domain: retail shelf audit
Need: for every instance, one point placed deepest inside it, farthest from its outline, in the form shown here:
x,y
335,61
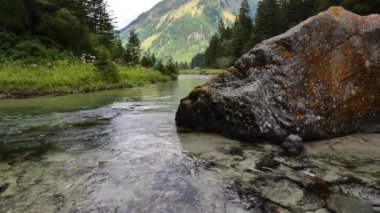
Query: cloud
x,y
125,11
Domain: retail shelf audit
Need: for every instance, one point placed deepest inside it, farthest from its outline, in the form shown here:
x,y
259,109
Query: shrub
x,y
160,67
171,69
105,66
7,42
31,51
224,62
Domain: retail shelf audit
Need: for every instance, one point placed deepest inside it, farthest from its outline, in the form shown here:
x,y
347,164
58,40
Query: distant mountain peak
x,y
182,28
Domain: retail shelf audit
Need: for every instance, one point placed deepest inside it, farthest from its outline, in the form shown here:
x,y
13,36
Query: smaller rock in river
x,y
3,187
292,145
267,162
237,151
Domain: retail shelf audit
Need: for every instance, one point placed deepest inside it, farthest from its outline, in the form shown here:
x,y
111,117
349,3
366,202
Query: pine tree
x,y
266,25
153,59
197,61
211,54
242,31
147,60
221,28
106,67
133,48
97,15
363,7
171,68
159,66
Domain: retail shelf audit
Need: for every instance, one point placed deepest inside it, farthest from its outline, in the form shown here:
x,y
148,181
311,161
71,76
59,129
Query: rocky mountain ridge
x,y
183,28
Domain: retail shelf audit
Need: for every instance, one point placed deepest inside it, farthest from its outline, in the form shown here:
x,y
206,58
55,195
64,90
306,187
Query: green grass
x,y
17,80
200,72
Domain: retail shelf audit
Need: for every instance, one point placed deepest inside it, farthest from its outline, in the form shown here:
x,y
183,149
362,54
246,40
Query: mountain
x,y
182,28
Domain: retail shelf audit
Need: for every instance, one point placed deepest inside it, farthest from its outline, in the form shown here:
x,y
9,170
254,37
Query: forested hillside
x,y
37,30
273,18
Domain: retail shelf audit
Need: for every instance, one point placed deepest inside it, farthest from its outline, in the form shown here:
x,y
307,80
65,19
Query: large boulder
x,y
321,79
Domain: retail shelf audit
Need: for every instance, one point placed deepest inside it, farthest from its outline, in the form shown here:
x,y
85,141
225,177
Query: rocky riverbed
x,y
204,173
339,175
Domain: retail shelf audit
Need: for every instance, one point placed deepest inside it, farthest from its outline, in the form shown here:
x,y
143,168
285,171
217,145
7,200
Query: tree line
x,y
273,17
135,57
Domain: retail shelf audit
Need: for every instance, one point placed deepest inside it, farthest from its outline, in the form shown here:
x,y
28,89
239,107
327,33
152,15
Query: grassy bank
x,y
200,72
17,80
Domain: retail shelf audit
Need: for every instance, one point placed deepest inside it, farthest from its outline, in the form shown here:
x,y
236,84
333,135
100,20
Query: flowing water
x,y
119,151
112,151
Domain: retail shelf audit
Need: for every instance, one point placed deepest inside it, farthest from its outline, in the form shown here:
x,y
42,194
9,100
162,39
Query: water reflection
x,y
171,91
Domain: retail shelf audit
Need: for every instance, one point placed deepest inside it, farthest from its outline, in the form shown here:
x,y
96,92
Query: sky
x,y
125,11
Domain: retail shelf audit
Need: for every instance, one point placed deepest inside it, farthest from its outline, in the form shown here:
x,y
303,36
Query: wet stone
x,y
359,191
238,151
342,204
319,211
267,162
248,198
291,162
3,187
270,207
293,145
282,192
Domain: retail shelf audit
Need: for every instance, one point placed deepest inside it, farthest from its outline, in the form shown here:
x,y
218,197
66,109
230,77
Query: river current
x,y
112,151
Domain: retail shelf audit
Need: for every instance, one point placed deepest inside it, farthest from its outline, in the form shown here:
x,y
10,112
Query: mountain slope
x,y
182,28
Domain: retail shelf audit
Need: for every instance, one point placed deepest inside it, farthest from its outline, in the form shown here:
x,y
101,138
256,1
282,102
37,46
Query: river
x,y
106,151
119,151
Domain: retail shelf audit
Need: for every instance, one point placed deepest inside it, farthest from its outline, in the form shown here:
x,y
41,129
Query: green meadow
x,y
63,77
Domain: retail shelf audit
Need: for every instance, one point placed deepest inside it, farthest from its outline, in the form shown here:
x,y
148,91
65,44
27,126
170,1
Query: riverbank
x,y
21,81
200,72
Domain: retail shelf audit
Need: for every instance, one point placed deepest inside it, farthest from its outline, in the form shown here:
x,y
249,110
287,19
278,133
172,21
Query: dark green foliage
x,y
183,66
213,51
159,66
198,60
7,42
266,24
153,58
364,7
169,69
43,31
133,48
29,50
273,17
148,60
229,43
40,28
105,66
242,31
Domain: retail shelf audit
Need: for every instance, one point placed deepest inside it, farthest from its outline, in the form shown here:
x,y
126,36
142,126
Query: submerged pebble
x,y
5,167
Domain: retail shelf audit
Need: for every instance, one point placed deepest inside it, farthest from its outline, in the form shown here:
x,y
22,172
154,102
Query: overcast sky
x,y
125,11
